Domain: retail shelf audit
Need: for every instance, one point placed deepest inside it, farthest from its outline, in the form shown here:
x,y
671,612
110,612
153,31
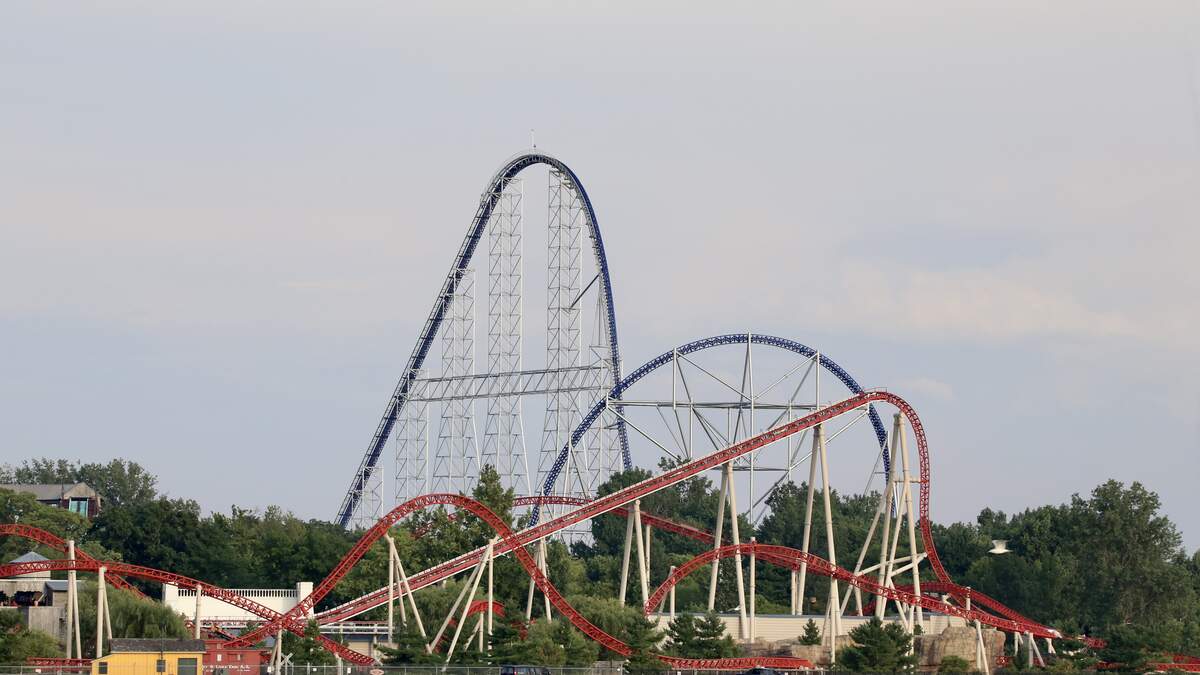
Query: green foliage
x,y
955,664
307,650
23,508
878,648
119,482
18,643
409,649
643,637
131,616
545,643
811,635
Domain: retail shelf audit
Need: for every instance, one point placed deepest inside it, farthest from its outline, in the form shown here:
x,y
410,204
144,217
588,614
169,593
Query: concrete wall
x,y
779,627
183,600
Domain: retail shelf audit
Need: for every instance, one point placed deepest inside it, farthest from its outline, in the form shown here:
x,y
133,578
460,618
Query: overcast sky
x,y
221,228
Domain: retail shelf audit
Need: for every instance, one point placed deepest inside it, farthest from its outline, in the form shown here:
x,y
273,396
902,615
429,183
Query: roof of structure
x,y
52,491
155,645
31,556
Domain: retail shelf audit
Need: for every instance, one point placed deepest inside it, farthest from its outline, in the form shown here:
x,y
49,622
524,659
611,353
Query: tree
x,y
307,650
1130,647
681,636
878,648
643,637
409,649
119,482
711,640
812,634
131,616
954,664
17,642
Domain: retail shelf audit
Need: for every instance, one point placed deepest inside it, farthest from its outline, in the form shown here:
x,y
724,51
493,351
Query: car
x,y
524,670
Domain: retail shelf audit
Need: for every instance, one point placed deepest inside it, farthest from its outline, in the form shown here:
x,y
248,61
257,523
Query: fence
x,y
452,669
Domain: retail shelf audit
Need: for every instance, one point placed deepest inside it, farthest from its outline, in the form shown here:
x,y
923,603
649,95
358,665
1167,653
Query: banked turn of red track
x,y
515,543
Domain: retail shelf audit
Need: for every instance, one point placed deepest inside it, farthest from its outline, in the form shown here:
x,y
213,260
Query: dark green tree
x,y
711,640
878,648
409,649
811,635
307,650
643,638
681,636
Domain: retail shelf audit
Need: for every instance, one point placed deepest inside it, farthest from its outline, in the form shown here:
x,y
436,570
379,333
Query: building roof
x,y
155,645
44,492
57,585
32,556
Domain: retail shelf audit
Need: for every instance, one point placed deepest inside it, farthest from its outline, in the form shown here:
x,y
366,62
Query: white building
x,y
183,600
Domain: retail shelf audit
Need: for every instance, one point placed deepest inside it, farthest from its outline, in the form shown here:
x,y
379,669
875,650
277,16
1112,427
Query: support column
x,y
391,616
737,558
100,613
196,614
487,554
471,580
545,572
753,590
671,593
625,555
808,510
642,552
721,498
912,520
406,590
826,489
491,599
73,636
981,655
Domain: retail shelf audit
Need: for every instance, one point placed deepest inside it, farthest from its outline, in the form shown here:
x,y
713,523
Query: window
x,y
103,668
79,506
187,666
160,666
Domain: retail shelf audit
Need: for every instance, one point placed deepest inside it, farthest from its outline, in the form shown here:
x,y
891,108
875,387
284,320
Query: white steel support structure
x,y
412,451
563,333
503,441
456,459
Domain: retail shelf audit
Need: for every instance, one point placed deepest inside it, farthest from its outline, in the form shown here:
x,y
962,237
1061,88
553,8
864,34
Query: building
x,y
212,610
75,497
221,660
40,600
151,656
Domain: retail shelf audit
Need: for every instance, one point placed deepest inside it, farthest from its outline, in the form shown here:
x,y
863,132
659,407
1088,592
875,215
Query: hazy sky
x,y
221,228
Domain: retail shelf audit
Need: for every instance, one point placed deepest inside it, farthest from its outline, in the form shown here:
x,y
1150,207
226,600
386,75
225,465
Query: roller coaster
x,y
743,405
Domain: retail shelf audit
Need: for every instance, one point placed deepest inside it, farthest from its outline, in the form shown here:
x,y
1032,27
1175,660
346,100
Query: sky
x,y
222,224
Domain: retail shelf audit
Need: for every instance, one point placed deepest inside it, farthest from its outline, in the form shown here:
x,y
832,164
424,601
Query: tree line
x,y
1108,564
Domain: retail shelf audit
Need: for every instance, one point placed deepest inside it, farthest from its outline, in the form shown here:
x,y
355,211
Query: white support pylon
x,y
491,572
721,499
487,554
826,489
196,614
642,553
73,607
808,511
753,589
454,608
912,520
100,613
671,593
391,602
737,557
406,590
625,554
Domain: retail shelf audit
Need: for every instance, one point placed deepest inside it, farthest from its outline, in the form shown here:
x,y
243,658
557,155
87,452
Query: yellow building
x,y
151,656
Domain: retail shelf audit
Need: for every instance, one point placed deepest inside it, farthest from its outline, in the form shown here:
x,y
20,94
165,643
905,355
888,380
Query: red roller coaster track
x,y
515,543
